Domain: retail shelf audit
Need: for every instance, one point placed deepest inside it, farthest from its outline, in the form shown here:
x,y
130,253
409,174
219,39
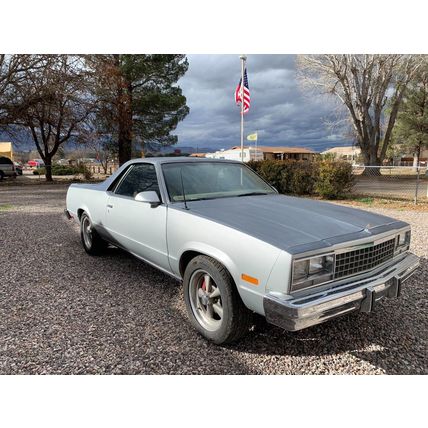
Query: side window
x,y
141,178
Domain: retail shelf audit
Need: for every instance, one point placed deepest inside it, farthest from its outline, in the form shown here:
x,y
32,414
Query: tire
x,y
204,311
91,241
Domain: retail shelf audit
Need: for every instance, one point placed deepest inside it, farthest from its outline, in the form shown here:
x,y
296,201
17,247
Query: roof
x,y
270,149
174,159
343,150
104,185
284,149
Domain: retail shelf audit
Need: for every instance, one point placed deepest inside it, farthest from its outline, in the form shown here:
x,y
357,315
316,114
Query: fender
x,y
252,298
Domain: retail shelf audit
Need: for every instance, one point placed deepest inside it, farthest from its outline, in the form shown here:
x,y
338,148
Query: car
x,y
35,163
239,247
18,168
7,168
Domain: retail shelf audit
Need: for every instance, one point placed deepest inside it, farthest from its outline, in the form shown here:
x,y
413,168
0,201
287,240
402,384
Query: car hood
x,y
294,224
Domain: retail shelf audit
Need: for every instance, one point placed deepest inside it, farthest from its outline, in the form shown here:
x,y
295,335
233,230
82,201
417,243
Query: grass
x,y
368,201
5,207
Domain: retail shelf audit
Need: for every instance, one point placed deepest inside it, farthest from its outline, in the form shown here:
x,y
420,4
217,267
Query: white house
x,y
348,153
250,153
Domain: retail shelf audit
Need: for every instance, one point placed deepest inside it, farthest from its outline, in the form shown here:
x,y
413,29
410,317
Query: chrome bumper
x,y
301,312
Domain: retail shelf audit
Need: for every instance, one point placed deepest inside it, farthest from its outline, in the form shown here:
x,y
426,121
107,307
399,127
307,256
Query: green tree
x,y
139,100
411,131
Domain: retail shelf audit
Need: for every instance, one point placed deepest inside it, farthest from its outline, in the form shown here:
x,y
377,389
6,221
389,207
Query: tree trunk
x,y
125,144
124,97
370,158
48,168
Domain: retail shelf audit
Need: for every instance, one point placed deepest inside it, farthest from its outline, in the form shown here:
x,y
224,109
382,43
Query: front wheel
x,y
91,241
213,304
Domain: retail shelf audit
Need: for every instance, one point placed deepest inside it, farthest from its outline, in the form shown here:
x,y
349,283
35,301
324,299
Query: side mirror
x,y
149,197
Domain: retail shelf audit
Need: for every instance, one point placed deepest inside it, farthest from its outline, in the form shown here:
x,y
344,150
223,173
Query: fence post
x,y
417,184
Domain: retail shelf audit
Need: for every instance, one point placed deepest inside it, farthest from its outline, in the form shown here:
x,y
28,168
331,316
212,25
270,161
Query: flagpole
x,y
257,141
243,59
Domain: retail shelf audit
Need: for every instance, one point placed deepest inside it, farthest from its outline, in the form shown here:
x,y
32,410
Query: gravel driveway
x,y
62,311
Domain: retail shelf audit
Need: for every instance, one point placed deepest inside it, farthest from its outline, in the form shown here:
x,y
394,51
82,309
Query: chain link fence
x,y
395,182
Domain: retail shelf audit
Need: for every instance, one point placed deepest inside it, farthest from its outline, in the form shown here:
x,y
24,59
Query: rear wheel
x,y
91,241
213,304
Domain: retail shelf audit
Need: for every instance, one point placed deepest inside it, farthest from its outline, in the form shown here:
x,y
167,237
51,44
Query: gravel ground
x,y
64,312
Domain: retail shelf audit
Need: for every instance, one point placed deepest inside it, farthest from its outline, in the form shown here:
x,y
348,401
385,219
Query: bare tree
x,y
52,102
364,84
100,143
12,70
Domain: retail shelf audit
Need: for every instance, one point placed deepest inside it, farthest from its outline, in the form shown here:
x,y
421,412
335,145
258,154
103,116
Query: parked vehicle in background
x,y
7,168
35,163
240,247
18,168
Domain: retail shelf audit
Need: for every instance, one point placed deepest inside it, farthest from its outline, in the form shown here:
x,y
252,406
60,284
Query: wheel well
x,y
80,211
185,259
189,255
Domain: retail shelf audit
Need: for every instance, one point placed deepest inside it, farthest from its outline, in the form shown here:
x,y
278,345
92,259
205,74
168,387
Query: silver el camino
x,y
241,248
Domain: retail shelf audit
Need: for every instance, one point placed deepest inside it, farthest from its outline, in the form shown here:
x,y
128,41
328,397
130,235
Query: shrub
x,y
330,179
299,177
63,170
39,171
66,170
335,179
83,169
271,171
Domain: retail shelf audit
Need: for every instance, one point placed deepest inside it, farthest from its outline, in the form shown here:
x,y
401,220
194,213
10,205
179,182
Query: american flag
x,y
238,93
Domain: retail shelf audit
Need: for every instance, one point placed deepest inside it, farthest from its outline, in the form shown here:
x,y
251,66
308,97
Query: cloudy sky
x,y
280,111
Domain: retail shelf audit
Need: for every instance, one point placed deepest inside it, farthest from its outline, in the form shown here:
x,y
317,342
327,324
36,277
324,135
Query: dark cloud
x,y
280,111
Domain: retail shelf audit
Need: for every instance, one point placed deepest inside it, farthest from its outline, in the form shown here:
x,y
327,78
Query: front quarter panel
x,y
238,252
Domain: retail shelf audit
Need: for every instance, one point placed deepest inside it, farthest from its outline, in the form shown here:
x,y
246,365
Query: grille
x,y
363,259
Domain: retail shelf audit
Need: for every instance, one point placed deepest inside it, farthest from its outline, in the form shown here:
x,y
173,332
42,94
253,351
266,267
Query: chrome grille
x,y
363,259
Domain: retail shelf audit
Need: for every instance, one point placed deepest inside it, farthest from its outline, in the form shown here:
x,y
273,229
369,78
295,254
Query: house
x,y
263,153
6,150
410,159
348,153
250,153
283,153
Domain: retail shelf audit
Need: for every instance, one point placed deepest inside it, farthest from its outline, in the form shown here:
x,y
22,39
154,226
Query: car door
x,y
137,226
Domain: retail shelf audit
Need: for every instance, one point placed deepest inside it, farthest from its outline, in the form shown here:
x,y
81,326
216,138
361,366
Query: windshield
x,y
211,180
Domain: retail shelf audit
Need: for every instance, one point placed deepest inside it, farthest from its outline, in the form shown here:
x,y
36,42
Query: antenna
x,y
182,189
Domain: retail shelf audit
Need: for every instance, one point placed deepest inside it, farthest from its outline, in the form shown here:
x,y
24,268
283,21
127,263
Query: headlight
x,y
312,271
403,239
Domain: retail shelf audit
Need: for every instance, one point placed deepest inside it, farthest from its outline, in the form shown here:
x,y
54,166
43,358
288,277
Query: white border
x,y
223,26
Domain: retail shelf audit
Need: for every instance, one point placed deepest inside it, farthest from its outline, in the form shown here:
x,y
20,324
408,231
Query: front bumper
x,y
301,312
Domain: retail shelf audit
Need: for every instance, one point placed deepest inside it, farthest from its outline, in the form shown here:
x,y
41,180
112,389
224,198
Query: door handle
x,y
109,206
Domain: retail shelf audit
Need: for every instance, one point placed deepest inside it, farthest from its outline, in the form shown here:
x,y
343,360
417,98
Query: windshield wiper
x,y
252,194
202,199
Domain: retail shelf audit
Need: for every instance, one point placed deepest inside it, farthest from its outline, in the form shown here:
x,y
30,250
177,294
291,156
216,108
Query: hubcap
x,y
205,299
87,232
